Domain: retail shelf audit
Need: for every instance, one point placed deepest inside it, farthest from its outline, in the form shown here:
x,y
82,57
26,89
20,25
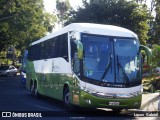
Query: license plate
x,y
114,103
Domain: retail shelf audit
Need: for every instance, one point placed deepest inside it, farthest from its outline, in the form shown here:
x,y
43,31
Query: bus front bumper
x,y
89,100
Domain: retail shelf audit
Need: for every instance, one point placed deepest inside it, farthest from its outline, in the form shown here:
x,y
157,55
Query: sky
x,y
50,5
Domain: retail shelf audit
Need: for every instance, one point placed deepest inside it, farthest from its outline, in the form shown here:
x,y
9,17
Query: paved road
x,y
15,98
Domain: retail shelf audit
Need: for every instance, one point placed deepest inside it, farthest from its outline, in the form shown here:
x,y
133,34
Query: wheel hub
x,y
67,98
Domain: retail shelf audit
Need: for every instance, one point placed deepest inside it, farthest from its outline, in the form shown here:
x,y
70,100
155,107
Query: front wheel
x,y
117,110
66,99
7,74
15,74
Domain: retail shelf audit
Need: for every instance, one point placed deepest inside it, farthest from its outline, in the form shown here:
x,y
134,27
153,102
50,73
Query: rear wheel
x,y
36,94
32,88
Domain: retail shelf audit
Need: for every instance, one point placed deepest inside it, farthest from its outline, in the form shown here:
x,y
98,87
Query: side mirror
x,y
149,53
75,36
80,49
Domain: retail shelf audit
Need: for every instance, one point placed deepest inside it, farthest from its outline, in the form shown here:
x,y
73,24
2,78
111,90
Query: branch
x,y
4,18
7,6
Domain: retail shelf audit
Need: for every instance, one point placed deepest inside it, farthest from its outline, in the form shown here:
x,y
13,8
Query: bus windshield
x,y
127,59
109,59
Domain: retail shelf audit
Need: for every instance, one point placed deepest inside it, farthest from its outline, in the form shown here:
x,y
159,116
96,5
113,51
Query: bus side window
x,y
53,51
34,52
74,58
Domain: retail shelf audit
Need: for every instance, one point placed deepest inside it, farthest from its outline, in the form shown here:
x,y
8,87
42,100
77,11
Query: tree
x,y
124,13
150,4
22,22
157,22
141,18
63,8
156,54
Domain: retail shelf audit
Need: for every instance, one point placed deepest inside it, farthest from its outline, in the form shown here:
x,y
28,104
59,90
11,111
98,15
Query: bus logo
x,y
114,96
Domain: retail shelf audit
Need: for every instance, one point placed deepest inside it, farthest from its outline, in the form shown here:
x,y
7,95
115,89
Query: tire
x,y
36,94
66,100
117,110
32,88
15,74
7,74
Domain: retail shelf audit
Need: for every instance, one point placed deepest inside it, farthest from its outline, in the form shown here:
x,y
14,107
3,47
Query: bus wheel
x,y
66,100
117,110
36,90
32,88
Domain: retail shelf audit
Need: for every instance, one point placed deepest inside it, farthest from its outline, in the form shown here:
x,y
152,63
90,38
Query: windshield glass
x,y
111,59
4,67
127,60
97,61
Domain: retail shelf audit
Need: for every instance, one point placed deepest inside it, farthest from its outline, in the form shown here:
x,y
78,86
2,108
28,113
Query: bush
x,y
156,55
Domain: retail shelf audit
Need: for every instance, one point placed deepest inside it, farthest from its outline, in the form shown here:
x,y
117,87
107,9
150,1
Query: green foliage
x,y
22,22
157,23
63,8
148,86
151,82
156,54
140,18
124,13
49,21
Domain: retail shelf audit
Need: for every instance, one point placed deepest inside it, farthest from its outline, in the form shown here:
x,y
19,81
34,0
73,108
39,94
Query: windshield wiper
x,y
123,71
107,68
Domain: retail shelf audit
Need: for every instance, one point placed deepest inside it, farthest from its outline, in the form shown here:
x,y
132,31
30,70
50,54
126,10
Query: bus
x,y
88,65
23,67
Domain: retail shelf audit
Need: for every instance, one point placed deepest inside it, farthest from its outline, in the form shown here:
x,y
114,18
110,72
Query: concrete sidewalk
x,y
150,102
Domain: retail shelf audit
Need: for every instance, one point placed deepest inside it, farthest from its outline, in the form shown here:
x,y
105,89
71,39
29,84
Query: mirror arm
x,y
149,53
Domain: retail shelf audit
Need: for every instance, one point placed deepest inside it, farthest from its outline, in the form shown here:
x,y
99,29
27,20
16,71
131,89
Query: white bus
x,y
88,65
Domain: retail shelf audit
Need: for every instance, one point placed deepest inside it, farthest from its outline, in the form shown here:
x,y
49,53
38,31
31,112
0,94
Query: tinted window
x,y
52,48
4,67
34,52
63,48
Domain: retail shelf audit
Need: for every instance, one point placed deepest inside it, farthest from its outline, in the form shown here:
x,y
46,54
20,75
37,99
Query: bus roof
x,y
90,28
